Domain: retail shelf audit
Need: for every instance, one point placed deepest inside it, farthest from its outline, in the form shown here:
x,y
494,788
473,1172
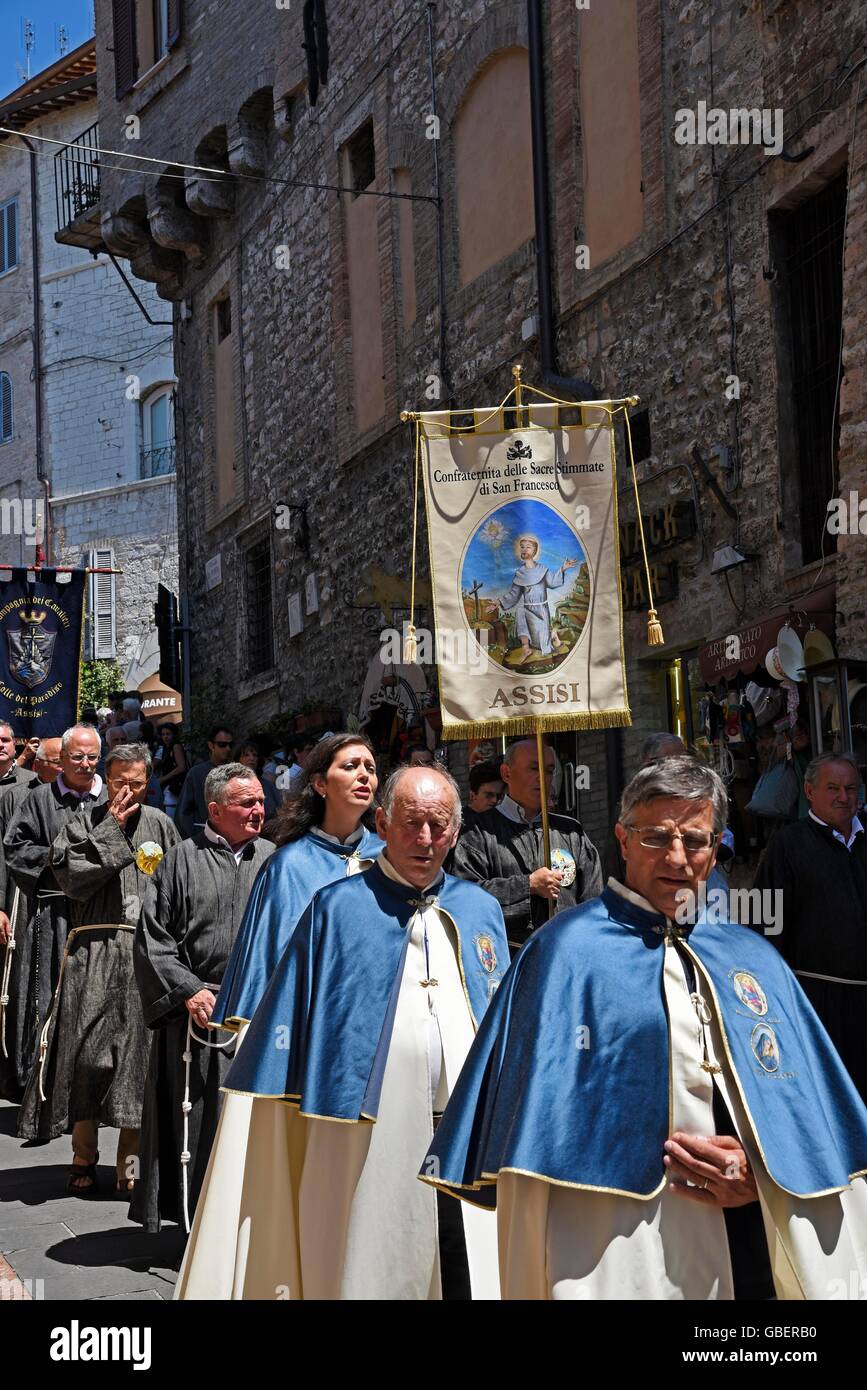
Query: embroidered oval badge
x,y
486,953
750,992
562,860
766,1049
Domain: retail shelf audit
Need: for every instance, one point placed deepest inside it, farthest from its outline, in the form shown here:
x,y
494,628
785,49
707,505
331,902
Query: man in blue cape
x,y
652,1104
349,1059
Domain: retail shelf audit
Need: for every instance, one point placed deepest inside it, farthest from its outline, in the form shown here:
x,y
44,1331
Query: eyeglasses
x,y
84,757
655,837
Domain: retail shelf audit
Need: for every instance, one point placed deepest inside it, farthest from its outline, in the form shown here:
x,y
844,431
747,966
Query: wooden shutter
x,y
125,55
5,407
175,9
101,639
9,236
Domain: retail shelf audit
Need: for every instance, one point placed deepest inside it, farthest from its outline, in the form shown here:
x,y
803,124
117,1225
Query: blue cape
x,y
531,1098
320,1036
281,891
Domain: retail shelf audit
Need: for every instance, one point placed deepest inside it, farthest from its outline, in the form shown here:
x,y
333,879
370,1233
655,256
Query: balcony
x,y
76,191
159,462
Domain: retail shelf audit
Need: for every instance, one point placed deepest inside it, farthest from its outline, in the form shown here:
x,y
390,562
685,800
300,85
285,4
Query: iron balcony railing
x,y
76,177
156,463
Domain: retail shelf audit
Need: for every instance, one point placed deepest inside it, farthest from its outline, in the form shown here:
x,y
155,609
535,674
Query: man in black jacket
x,y
503,851
820,864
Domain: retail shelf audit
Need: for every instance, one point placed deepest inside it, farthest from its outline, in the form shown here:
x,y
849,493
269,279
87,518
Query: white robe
x,y
300,1207
560,1242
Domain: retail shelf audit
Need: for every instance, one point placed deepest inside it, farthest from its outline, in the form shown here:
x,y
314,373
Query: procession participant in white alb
x,y
653,1106
191,912
93,1056
349,1057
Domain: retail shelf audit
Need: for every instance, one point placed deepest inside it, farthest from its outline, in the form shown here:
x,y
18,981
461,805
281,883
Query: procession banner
x,y
522,529
41,618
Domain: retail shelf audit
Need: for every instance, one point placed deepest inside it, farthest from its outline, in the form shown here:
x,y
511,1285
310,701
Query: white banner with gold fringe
x,y
523,537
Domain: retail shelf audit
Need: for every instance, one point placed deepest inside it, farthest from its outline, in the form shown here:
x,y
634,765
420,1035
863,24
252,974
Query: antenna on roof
x,y
61,39
28,40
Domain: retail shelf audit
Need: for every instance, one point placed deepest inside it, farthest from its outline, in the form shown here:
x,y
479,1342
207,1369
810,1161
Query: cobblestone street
x,y
72,1248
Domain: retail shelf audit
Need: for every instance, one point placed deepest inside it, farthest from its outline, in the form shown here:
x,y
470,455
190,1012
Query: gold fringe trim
x,y
529,723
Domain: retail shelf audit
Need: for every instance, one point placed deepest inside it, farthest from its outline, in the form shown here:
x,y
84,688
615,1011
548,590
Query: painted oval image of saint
x,y
525,587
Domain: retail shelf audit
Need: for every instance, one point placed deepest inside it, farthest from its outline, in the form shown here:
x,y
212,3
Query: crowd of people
x,y
319,1009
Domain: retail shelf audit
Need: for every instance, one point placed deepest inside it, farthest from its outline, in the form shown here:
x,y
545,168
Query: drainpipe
x,y
43,549
569,386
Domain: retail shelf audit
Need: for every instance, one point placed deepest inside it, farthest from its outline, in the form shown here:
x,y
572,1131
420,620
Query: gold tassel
x,y
654,630
410,645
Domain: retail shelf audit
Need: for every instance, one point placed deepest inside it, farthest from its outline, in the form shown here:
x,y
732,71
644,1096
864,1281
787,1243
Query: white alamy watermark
x,y
77,1343
454,646
847,517
746,907
23,516
737,126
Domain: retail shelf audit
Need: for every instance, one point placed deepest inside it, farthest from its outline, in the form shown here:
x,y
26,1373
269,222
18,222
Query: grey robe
x,y
38,820
500,854
13,1062
98,1045
190,917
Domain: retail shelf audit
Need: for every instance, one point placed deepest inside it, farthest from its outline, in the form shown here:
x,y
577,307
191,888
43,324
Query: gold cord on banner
x,y
654,626
410,645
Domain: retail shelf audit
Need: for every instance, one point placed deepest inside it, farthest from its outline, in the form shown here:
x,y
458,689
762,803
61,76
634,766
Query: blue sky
x,y
46,15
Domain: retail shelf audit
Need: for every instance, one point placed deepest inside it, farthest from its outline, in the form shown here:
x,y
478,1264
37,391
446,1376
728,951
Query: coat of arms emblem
x,y
31,649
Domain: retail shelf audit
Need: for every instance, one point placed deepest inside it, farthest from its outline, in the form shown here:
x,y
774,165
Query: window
x,y
260,632
144,32
6,425
492,139
362,158
224,403
639,425
810,243
158,434
8,236
100,635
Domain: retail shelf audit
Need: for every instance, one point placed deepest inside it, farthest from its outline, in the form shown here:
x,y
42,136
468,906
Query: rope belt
x,y
187,1104
7,971
55,1003
831,979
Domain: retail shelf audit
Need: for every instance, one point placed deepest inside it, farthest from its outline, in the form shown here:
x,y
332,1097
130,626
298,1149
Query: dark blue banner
x,y
41,617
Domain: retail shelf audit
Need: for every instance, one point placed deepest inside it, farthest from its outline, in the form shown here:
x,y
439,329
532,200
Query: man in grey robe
x,y
93,1056
14,939
190,917
503,850
34,827
10,770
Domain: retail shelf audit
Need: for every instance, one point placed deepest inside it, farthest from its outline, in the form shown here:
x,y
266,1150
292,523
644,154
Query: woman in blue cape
x,y
320,838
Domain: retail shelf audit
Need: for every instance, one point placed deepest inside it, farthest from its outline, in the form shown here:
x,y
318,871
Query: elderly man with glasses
x,y
650,1102
35,826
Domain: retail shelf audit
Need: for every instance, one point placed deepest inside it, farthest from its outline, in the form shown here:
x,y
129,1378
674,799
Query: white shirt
x,y
216,839
857,829
512,811
95,788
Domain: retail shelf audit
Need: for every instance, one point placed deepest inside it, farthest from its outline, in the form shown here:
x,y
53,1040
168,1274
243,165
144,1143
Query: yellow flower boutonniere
x,y
147,856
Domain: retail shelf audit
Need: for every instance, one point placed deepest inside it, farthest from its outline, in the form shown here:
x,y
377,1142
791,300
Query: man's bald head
x,y
419,820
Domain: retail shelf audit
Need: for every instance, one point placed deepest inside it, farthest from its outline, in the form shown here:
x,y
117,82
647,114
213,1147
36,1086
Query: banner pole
x,y
543,789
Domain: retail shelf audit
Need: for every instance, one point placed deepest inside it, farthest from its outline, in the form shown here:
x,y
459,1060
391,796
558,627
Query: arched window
x,y
5,408
493,151
158,432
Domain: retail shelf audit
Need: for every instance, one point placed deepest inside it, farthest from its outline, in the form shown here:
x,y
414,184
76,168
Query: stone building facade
x,y
106,376
308,315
